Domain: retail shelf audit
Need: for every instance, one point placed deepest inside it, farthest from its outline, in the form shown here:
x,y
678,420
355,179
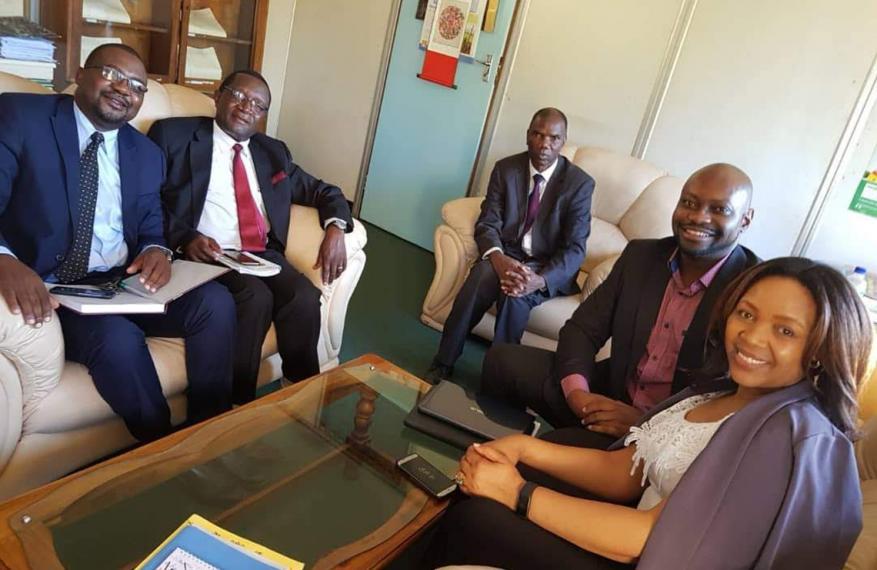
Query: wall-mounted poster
x,y
445,39
428,17
473,28
865,198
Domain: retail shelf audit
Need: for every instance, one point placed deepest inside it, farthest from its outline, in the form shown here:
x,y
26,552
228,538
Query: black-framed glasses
x,y
113,75
240,99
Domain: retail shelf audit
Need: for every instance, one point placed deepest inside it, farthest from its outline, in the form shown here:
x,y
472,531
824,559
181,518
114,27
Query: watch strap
x,y
524,495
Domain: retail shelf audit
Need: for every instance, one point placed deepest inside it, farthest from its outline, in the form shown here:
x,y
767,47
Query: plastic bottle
x,y
859,280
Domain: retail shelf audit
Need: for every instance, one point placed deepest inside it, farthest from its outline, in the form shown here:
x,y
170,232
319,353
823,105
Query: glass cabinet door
x,y
218,37
151,28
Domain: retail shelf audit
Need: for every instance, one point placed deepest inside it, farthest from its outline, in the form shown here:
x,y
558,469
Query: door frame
x,y
494,108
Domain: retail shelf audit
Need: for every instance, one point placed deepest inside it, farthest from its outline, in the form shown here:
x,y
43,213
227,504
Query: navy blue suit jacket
x,y
39,181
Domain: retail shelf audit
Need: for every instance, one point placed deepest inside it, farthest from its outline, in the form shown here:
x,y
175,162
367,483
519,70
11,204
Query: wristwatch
x,y
524,496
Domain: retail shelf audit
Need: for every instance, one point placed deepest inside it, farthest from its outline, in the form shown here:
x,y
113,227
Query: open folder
x,y
132,297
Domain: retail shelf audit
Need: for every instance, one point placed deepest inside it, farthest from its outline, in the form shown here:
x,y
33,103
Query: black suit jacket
x,y
562,225
187,142
625,308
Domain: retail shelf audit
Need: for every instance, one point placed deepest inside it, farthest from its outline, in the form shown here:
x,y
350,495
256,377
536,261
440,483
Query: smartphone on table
x,y
88,293
427,476
240,257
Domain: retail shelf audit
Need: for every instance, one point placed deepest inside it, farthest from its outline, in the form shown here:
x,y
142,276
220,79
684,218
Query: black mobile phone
x,y
427,475
88,293
240,257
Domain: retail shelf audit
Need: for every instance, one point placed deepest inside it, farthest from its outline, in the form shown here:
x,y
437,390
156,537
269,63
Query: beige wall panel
x,y
278,34
767,86
334,62
597,61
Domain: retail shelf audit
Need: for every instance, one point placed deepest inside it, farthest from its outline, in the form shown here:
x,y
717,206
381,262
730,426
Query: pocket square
x,y
280,175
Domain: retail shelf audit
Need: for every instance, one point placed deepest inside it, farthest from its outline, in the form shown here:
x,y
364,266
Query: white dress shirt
x,y
219,219
527,239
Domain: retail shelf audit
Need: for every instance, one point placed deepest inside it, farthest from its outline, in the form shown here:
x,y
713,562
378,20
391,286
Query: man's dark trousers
x,y
113,348
292,303
480,290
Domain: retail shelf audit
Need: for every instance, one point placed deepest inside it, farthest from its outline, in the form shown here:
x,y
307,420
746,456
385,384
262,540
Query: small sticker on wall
x,y
865,198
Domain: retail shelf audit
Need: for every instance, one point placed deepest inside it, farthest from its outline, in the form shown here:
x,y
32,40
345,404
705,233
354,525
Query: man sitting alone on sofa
x,y
230,187
531,234
79,202
655,306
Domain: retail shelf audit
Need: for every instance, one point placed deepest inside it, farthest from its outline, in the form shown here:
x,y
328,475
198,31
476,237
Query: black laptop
x,y
480,415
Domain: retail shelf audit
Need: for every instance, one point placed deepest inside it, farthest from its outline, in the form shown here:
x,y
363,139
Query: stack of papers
x,y
27,50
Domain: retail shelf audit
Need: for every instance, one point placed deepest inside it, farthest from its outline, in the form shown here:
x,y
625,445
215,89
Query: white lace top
x,y
667,444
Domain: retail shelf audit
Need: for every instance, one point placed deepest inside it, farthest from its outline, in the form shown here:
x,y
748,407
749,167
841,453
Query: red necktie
x,y
533,203
250,222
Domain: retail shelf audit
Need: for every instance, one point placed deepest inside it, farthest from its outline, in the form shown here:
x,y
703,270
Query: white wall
x,y
331,74
769,87
278,35
596,61
844,237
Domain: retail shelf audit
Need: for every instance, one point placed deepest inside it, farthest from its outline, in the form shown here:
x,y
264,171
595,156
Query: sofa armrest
x,y
302,247
455,251
31,361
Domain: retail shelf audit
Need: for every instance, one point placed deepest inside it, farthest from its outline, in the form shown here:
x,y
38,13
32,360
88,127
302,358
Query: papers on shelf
x,y
204,22
203,545
264,268
107,10
89,43
133,298
203,63
39,70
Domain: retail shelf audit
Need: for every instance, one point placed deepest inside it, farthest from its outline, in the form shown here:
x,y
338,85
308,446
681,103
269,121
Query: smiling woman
x,y
759,442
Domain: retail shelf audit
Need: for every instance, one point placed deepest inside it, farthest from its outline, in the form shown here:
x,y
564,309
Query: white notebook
x,y
134,298
254,265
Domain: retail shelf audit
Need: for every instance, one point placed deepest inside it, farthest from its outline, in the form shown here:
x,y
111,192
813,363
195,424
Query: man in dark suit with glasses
x,y
230,187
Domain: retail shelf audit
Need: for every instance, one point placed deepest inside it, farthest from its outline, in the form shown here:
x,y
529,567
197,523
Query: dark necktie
x,y
250,223
533,203
75,265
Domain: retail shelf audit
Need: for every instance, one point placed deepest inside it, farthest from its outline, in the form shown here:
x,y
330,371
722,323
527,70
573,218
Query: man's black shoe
x,y
438,372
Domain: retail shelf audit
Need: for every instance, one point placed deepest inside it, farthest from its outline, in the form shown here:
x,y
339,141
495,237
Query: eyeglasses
x,y
240,99
113,75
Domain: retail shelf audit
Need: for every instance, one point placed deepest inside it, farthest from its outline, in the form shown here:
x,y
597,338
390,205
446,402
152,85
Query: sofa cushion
x,y
650,216
864,554
620,180
605,241
547,318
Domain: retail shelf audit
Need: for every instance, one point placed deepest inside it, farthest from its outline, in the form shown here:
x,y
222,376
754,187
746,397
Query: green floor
x,y
384,313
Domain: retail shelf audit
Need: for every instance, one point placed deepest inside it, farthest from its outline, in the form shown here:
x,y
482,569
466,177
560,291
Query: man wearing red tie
x,y
531,234
229,187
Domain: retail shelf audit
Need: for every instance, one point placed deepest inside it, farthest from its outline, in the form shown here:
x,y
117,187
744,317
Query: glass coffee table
x,y
308,471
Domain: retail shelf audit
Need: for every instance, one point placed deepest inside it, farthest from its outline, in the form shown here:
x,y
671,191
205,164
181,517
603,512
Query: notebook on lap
x,y
480,415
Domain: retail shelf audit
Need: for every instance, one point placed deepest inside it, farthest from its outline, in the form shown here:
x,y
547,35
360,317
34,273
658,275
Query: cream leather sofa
x,y
52,420
632,199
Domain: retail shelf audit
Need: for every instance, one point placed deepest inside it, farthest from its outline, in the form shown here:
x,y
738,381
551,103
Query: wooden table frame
x,y
372,551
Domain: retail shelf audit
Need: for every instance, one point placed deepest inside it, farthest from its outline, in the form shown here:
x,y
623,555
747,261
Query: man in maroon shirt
x,y
654,306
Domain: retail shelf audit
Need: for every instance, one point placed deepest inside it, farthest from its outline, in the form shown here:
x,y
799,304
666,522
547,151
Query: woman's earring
x,y
814,371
